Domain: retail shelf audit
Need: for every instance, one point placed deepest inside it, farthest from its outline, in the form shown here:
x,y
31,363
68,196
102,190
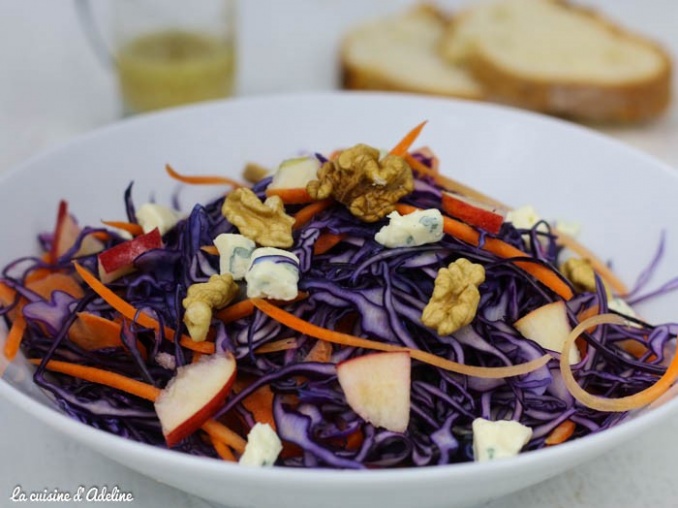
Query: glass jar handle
x,y
93,34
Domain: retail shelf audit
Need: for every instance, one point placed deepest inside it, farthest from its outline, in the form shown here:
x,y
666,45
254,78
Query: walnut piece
x,y
455,297
369,187
254,173
201,298
580,273
266,223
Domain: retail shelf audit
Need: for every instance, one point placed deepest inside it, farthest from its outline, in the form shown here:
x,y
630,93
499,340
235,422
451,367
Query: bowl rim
x,y
98,439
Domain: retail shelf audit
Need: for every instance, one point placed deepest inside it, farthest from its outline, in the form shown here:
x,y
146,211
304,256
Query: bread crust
x,y
588,101
359,77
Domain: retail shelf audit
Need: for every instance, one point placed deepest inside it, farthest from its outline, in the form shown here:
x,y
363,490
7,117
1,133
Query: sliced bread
x,y
553,57
400,53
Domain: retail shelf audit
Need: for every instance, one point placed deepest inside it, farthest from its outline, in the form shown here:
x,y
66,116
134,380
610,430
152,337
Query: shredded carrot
x,y
278,345
14,337
245,308
309,211
222,450
236,311
140,389
561,433
210,249
130,227
92,332
103,377
202,179
130,312
296,196
260,404
598,266
56,281
599,403
222,433
326,241
301,326
196,357
467,234
420,167
404,144
320,352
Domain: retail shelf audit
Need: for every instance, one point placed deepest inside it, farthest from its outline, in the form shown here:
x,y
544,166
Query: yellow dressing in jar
x,y
173,67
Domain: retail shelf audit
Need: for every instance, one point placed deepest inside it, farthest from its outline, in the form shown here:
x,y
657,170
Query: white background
x,y
52,87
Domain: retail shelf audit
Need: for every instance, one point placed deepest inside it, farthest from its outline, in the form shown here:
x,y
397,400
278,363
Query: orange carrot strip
x,y
561,433
320,352
140,389
301,326
14,337
130,227
219,431
236,311
326,241
598,266
131,313
404,144
103,377
296,196
278,345
260,404
222,450
309,211
598,403
56,281
210,249
92,332
502,249
420,167
202,179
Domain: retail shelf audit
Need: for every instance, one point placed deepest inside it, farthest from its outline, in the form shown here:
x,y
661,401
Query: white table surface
x,y
52,88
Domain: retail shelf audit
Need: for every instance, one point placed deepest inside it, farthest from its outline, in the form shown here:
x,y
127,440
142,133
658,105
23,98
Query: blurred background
x,y
55,86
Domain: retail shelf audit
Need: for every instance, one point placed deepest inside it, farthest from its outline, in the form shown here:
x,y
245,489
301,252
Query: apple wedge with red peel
x,y
290,180
473,212
549,327
377,388
119,260
66,232
193,395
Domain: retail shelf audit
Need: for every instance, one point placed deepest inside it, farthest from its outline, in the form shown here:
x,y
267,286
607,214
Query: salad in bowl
x,y
345,320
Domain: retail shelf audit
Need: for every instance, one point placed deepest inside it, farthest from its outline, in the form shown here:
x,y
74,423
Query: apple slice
x,y
290,180
377,387
193,395
119,260
549,327
473,212
66,232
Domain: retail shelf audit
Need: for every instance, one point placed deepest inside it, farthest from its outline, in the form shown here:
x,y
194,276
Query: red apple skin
x,y
194,421
189,426
464,209
66,232
119,260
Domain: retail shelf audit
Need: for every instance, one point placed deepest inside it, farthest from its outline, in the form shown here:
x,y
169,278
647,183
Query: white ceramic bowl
x,y
622,198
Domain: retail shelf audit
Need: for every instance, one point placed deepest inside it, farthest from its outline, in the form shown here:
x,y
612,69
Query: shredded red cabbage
x,y
366,290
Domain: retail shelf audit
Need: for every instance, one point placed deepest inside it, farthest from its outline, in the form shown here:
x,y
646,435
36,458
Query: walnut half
x,y
455,297
368,186
201,298
265,223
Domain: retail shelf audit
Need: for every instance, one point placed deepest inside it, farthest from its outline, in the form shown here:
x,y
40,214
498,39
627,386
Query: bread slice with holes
x,y
553,57
400,53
